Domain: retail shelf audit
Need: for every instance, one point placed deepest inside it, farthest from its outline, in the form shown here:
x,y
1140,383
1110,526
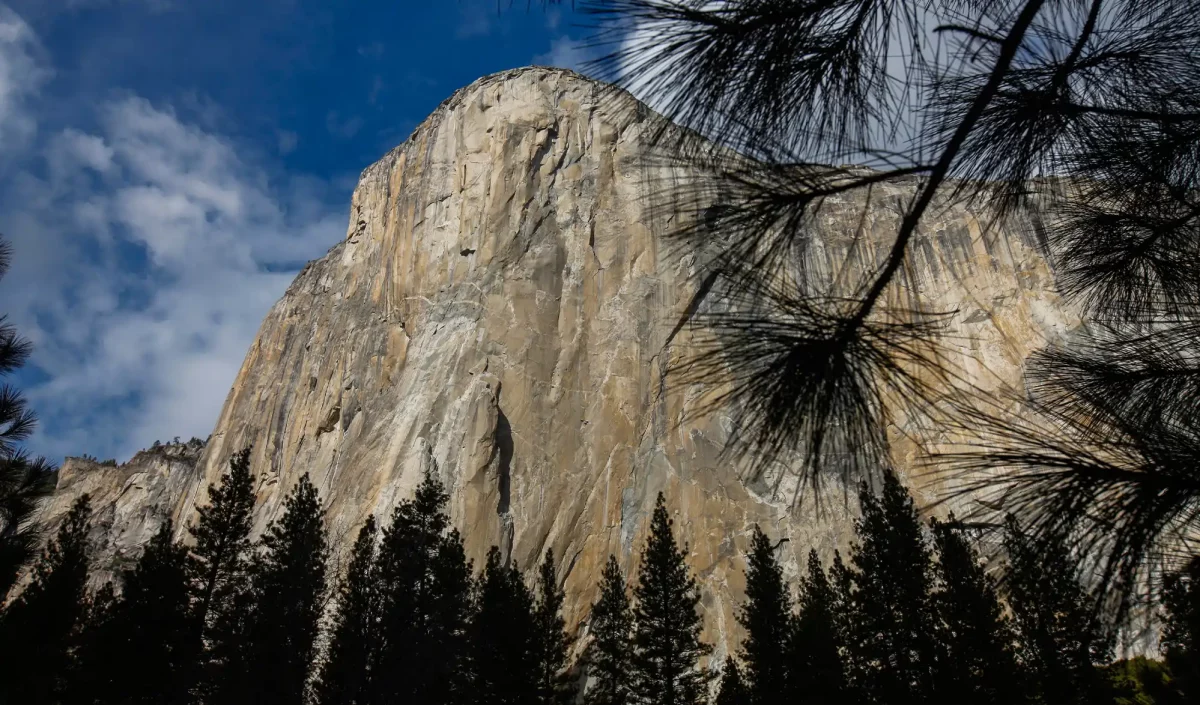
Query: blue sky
x,y
167,166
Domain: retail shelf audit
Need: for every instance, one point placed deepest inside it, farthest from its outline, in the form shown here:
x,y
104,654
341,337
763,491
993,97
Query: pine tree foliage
x,y
551,640
352,657
612,631
95,665
666,642
733,690
24,479
1181,628
288,589
152,624
1060,640
979,664
766,617
425,583
37,631
815,670
502,637
219,570
969,102
892,628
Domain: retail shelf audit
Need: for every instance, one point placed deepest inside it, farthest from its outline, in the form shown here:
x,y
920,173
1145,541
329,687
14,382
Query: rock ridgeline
x,y
499,310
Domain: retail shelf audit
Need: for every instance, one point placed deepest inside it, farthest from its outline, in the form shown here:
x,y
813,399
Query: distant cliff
x,y
499,310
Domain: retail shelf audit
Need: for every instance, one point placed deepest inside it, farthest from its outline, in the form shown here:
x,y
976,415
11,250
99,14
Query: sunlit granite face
x,y
499,310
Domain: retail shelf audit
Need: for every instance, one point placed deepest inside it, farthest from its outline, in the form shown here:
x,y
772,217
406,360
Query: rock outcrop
x,y
129,501
499,311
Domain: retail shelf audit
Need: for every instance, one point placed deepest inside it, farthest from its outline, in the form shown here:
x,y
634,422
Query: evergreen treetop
x,y
816,672
666,642
891,622
766,617
503,634
979,664
551,637
37,631
611,629
733,690
288,586
1060,641
351,658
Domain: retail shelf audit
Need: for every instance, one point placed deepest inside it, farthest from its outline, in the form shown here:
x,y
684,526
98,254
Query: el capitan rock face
x,y
499,310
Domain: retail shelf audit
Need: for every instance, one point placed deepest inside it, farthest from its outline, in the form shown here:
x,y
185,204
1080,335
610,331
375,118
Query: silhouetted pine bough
x,y
24,480
1081,117
912,616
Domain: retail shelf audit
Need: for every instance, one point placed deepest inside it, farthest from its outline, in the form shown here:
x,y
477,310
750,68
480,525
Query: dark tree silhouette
x,y
766,617
425,583
1060,641
733,690
666,642
288,589
891,623
502,636
37,632
95,667
1181,632
815,671
611,628
979,664
352,656
152,625
219,570
550,640
24,480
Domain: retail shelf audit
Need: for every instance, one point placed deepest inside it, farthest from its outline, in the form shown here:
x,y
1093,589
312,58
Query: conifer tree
x,y
220,577
891,623
425,584
24,480
37,630
611,628
550,640
503,633
766,617
979,664
733,690
1181,629
152,624
351,659
288,591
1060,642
666,642
815,672
96,663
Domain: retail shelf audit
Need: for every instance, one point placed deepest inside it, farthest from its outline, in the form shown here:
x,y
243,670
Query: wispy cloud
x,y
566,53
475,20
20,79
148,249
342,127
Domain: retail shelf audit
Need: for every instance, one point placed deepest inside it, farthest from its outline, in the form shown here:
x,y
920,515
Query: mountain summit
x,y
501,312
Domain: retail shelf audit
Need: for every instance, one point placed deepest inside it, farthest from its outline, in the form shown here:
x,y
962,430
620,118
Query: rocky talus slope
x,y
499,310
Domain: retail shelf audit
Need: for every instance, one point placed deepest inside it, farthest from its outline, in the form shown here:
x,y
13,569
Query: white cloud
x,y
287,141
566,53
147,251
20,79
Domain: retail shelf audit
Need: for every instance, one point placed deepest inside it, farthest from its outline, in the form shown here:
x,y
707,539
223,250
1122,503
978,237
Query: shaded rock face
x,y
129,501
499,312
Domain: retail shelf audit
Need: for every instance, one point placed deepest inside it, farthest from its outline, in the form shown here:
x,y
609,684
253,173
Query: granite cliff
x,y
500,309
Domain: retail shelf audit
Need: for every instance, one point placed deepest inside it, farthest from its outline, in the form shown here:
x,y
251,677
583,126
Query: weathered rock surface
x,y
129,501
499,308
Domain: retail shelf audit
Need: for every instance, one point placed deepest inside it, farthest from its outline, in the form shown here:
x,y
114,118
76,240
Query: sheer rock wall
x,y
499,310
